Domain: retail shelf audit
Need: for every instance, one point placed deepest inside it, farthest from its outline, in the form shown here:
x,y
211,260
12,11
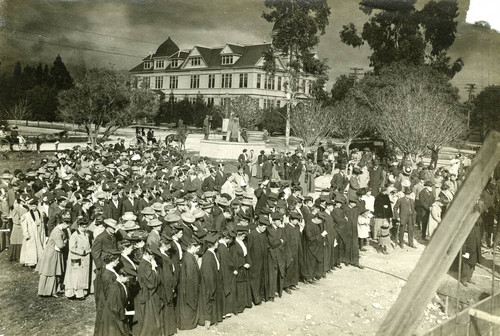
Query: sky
x,y
119,33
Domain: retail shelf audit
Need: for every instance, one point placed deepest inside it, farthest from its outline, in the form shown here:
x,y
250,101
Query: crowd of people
x,y
168,242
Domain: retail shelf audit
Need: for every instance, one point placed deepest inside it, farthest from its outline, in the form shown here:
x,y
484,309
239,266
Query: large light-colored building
x,y
218,73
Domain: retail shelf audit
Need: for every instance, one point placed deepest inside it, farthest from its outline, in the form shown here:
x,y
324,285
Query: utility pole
x,y
470,88
356,72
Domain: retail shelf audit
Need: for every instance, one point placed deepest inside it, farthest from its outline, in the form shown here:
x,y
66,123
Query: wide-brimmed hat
x,y
222,201
110,222
198,213
101,194
6,176
187,217
130,225
157,206
148,211
154,222
129,216
172,218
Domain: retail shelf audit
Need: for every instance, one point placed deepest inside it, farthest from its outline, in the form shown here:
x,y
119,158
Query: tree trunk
x,y
287,129
347,145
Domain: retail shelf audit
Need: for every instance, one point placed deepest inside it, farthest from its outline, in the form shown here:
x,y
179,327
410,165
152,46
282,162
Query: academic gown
x,y
243,295
257,251
227,268
211,290
114,320
167,292
351,251
275,261
147,303
188,290
314,255
293,239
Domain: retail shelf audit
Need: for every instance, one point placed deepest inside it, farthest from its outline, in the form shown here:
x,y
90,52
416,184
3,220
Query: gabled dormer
x,y
195,58
148,62
176,60
279,63
230,54
160,63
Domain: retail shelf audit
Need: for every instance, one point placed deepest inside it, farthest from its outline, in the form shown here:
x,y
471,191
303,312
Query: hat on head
x,y
353,199
407,191
157,206
101,194
264,220
180,201
198,213
276,216
247,202
172,218
208,194
428,184
129,216
187,217
295,215
222,201
211,237
110,222
130,225
248,195
148,211
241,228
307,199
155,222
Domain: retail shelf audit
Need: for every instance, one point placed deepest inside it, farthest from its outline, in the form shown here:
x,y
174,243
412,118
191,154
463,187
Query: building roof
x,y
167,48
250,55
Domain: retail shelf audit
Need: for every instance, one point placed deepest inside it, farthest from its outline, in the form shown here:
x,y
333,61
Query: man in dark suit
x,y
404,213
243,162
209,182
376,177
120,145
220,177
267,167
129,202
113,208
426,198
339,180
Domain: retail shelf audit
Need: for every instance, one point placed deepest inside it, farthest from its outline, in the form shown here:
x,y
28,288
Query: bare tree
x,y
20,111
419,109
311,121
352,118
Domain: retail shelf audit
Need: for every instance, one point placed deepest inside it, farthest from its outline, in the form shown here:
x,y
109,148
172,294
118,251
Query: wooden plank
x,y
444,246
484,316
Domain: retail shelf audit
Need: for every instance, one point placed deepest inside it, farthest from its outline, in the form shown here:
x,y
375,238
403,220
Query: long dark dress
x,y
275,261
147,302
351,251
188,293
114,320
211,291
227,269
329,250
293,238
167,284
257,251
340,221
314,252
243,295
105,279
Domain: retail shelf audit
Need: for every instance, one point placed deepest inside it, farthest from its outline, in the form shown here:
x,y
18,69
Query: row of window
x,y
210,101
226,82
194,61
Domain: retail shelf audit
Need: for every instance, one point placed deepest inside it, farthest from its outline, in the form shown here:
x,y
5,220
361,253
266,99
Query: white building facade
x,y
218,74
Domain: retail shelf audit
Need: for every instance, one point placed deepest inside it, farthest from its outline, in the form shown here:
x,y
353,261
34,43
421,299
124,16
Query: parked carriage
x,y
29,143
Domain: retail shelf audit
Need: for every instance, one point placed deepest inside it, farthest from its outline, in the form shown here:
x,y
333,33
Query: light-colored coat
x,y
434,218
34,238
78,265
16,236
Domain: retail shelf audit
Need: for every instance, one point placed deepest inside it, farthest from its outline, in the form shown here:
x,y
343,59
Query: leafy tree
x,y
248,111
200,110
296,30
484,114
60,76
43,102
311,120
342,86
274,120
413,107
396,31
102,100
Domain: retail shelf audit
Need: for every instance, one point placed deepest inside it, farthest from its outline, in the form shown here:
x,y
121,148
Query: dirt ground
x,y
348,301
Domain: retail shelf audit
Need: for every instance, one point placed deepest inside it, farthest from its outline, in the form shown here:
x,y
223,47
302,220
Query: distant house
x,y
218,73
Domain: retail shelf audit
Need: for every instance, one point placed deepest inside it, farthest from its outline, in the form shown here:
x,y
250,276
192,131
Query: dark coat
x,y
293,238
188,293
257,251
114,320
211,290
350,232
167,293
147,303
208,184
382,206
127,206
404,211
112,211
243,294
227,268
339,182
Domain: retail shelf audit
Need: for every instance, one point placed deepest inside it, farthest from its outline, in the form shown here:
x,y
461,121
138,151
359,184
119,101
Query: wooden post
x,y
484,316
446,242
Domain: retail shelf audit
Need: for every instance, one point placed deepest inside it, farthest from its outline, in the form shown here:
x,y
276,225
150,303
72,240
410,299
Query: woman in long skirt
x,y
34,235
188,288
51,267
77,279
167,294
239,251
16,235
